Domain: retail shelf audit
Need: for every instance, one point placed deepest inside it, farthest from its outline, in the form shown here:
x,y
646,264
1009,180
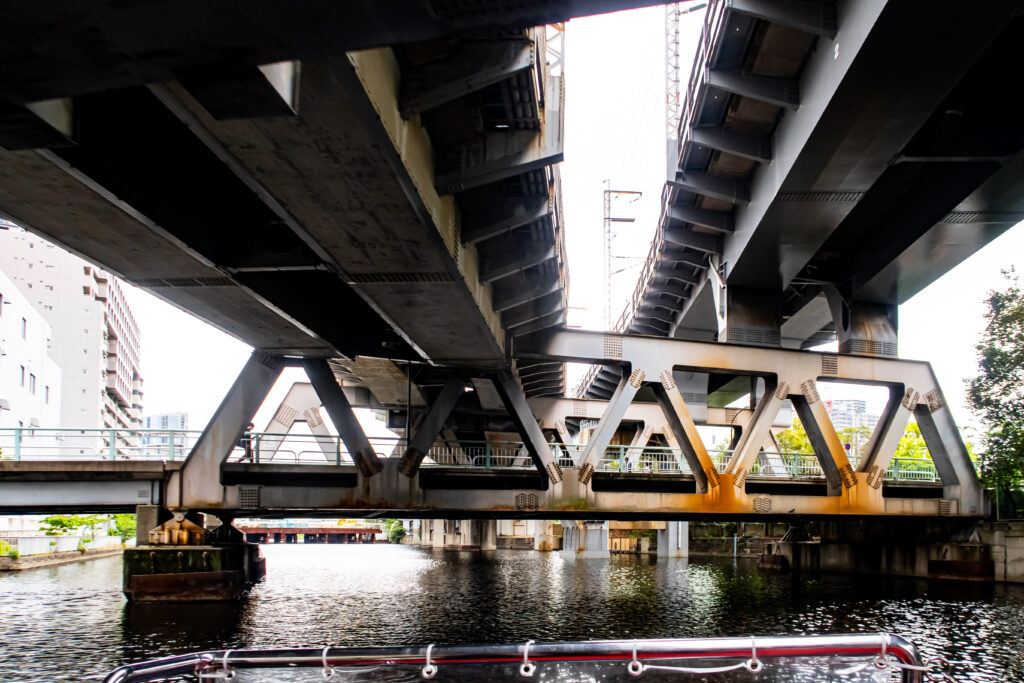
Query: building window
x,y
46,394
1,304
31,383
24,328
22,380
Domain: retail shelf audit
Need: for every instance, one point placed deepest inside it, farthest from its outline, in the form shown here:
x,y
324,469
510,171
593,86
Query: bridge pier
x,y
936,548
585,538
544,538
674,540
180,561
478,534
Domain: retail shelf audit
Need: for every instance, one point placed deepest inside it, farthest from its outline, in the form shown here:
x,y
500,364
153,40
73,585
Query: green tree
x,y
794,439
125,525
61,525
911,445
996,395
395,530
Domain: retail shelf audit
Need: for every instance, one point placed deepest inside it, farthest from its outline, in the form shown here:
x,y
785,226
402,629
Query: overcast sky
x,y
615,131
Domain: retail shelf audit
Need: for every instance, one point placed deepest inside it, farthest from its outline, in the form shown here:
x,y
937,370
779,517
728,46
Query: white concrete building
x,y
30,379
156,440
847,413
95,340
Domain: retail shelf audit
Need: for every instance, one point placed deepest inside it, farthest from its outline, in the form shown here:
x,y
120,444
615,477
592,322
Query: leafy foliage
x,y
911,445
125,526
395,530
996,395
62,525
794,439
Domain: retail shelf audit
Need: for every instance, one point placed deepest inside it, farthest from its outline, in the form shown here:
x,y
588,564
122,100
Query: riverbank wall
x,y
54,556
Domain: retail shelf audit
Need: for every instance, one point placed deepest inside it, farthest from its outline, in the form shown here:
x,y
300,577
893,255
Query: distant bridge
x,y
319,534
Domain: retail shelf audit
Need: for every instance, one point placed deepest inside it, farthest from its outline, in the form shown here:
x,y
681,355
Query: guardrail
x,y
23,443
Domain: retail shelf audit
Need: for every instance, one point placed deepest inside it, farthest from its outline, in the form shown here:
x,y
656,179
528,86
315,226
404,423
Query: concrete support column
x,y
478,534
674,540
585,538
430,426
864,328
544,538
752,317
437,529
147,517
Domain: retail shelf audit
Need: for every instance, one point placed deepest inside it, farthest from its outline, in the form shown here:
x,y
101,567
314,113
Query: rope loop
x,y
527,668
429,669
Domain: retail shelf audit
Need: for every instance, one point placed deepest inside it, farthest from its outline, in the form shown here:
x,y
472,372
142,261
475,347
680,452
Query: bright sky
x,y
615,131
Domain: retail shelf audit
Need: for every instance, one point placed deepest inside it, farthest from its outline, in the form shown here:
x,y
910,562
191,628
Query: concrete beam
x,y
510,153
676,287
685,433
556,319
475,66
515,261
732,190
503,217
237,91
782,92
719,221
609,424
822,435
511,297
953,462
36,125
817,17
512,396
686,237
343,417
747,146
430,426
532,310
198,482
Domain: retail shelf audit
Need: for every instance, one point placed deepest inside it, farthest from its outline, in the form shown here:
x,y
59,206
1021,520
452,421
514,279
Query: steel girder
x,y
572,492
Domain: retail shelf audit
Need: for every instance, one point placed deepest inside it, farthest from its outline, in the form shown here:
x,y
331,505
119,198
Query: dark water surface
x,y
72,622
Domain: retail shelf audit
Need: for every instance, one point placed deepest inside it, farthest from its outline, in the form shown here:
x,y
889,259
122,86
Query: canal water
x,y
72,623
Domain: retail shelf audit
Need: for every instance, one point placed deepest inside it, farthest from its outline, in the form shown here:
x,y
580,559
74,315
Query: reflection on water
x,y
63,622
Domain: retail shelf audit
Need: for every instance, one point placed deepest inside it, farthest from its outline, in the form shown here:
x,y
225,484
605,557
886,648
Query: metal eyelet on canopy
x,y
635,667
882,660
527,668
328,671
754,664
224,673
429,669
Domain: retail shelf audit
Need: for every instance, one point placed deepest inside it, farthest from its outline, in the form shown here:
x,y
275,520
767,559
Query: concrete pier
x,y
585,538
937,549
544,538
182,561
674,540
478,534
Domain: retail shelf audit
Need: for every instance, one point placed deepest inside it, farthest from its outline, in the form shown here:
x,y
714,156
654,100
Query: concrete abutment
x,y
178,560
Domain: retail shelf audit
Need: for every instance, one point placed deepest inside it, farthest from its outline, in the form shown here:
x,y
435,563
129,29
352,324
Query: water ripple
x,y
71,622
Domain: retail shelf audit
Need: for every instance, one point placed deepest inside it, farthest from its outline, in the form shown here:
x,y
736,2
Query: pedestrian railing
x,y
276,448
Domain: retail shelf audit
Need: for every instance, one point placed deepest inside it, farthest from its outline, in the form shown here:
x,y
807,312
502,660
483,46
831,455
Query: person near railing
x,y
245,443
